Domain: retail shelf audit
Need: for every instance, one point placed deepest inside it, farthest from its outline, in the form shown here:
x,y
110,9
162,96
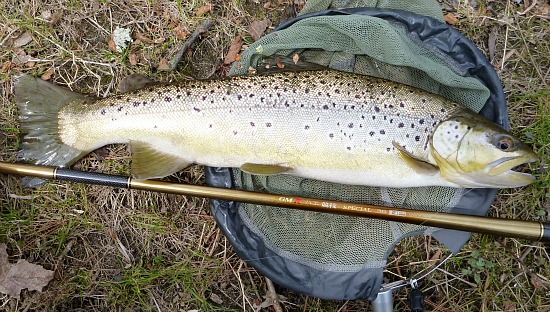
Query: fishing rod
x,y
530,230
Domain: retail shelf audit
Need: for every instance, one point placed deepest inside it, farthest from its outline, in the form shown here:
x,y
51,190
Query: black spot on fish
x,y
401,104
262,99
373,117
234,132
362,116
204,97
401,125
331,135
197,109
382,92
353,107
103,112
252,124
155,127
349,148
421,121
212,91
423,100
391,120
178,96
412,125
456,127
371,97
377,109
442,110
337,91
286,104
268,124
120,108
210,126
417,138
357,96
456,136
251,95
306,90
407,136
118,97
263,86
469,128
350,125
371,133
167,99
325,106
390,106
239,96
382,132
388,149
318,119
306,127
432,116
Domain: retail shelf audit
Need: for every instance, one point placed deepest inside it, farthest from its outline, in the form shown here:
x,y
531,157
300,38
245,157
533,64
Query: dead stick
x,y
272,294
202,28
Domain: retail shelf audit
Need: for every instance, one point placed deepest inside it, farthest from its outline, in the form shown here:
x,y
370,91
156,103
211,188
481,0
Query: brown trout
x,y
324,125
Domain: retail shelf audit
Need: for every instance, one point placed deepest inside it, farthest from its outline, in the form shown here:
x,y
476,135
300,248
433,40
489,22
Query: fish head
x,y
473,152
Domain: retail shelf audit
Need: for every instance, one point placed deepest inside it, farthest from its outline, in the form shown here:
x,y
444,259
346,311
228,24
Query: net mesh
x,y
364,45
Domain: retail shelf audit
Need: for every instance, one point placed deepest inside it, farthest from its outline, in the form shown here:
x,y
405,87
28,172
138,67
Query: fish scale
x,y
325,125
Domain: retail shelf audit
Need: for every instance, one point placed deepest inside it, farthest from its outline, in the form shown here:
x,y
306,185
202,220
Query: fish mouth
x,y
504,168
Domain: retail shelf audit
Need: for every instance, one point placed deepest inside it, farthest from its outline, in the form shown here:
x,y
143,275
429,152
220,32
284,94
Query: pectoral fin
x,y
149,163
418,165
264,169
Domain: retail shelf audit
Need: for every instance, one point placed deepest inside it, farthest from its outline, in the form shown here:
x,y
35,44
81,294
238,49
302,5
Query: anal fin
x,y
150,163
418,165
262,169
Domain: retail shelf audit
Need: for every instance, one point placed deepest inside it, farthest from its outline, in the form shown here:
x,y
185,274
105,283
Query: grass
x,y
115,250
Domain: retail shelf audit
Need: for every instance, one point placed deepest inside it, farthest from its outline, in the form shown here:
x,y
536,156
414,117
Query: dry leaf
x,y
22,40
509,306
164,65
267,5
112,44
132,58
450,18
203,10
296,58
159,40
15,277
234,50
257,29
6,66
279,64
21,57
47,75
181,33
535,281
141,37
46,14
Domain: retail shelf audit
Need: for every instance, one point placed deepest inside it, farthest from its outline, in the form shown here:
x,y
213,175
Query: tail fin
x,y
39,103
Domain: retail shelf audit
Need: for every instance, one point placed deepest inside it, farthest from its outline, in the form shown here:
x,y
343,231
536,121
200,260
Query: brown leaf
x,y
279,64
296,58
164,65
509,306
6,66
451,19
257,29
159,40
112,44
234,50
267,5
141,37
535,281
203,10
22,40
181,33
132,58
15,277
47,75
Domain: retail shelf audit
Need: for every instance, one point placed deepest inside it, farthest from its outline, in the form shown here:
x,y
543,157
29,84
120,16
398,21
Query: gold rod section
x,y
529,230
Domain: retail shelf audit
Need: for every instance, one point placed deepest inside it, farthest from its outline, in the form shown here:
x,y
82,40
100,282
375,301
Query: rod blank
x,y
530,230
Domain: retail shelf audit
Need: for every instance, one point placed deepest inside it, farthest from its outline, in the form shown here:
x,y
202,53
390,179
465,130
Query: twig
x,y
202,28
273,295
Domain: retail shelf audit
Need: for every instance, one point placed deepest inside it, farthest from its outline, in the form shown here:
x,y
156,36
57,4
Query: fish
x,y
324,125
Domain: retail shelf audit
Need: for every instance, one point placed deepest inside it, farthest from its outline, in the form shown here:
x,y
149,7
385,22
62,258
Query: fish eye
x,y
505,143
